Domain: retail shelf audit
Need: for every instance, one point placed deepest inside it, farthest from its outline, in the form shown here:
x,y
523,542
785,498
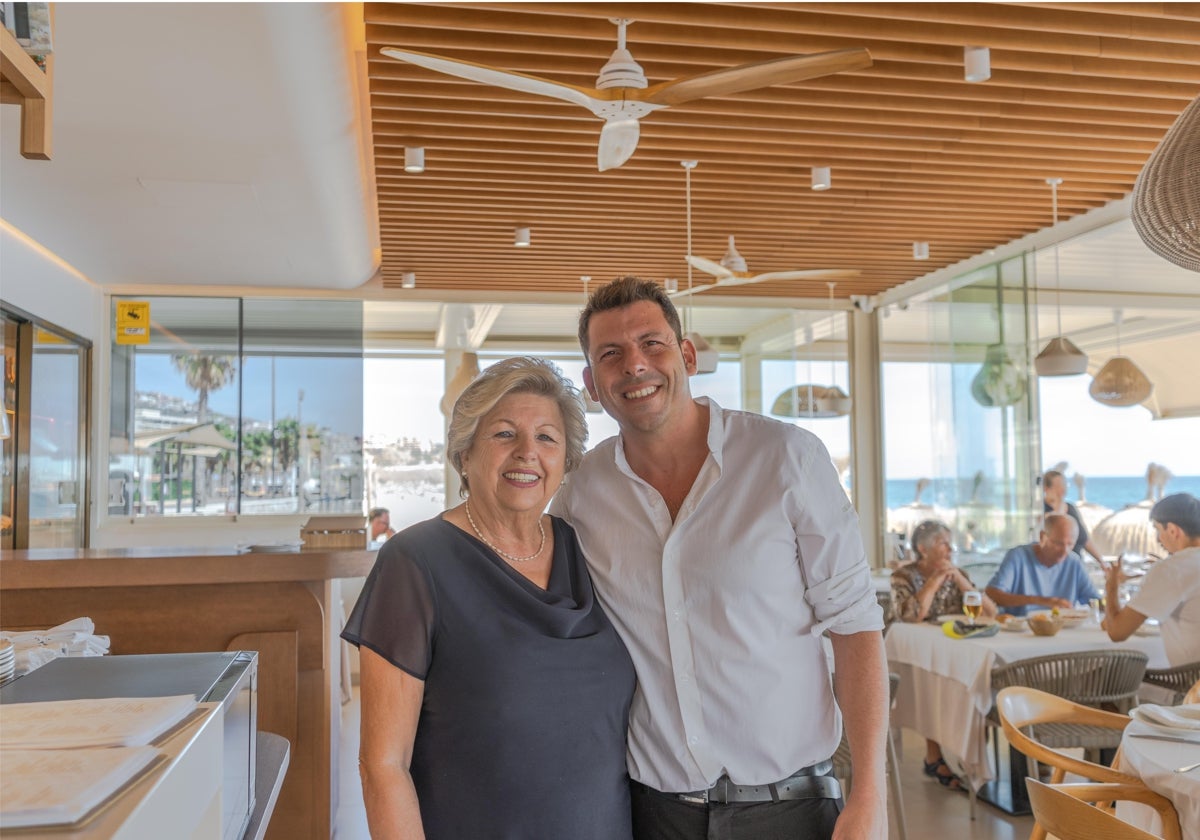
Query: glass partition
x,y
959,417
238,406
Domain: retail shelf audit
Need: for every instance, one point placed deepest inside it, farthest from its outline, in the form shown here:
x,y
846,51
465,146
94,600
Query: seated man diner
x,y
1170,592
1046,573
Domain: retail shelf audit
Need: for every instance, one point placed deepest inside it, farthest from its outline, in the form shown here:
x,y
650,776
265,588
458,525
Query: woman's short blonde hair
x,y
518,375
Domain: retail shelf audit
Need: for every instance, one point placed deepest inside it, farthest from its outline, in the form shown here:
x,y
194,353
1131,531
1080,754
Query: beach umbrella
x,y
1130,531
903,519
1091,513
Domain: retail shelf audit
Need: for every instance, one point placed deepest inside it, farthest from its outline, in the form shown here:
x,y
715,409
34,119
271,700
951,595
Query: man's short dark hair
x,y
1049,477
1183,509
626,291
375,513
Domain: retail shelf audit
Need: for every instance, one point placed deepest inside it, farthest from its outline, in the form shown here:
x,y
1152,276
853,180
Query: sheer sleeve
x,y
396,613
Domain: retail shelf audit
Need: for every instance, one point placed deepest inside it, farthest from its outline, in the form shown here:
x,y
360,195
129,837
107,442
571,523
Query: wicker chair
x,y
1178,679
1103,678
1065,812
843,770
1044,715
980,572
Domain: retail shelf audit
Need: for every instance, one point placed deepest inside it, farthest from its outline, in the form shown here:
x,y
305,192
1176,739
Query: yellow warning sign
x,y
133,322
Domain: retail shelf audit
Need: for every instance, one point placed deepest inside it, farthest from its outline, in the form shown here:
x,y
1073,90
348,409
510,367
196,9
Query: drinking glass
x,y
973,604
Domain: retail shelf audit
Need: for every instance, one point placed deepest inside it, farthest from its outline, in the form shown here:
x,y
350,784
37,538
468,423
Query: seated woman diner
x,y
495,692
925,589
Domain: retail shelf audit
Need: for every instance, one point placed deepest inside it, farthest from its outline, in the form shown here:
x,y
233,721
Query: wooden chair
x,y
1064,811
843,770
1026,708
1193,694
1177,679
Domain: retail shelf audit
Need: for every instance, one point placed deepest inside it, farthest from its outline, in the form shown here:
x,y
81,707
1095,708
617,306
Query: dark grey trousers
x,y
658,816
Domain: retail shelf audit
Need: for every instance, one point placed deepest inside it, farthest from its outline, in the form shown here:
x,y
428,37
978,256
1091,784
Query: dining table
x,y
1147,754
945,688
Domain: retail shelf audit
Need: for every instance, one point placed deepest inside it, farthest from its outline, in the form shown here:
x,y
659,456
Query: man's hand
x,y
862,820
1061,603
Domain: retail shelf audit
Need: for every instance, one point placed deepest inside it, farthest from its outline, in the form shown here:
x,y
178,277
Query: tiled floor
x,y
930,810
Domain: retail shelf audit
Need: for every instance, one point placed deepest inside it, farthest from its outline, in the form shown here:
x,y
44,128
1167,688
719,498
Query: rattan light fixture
x,y
1120,382
1060,356
1166,196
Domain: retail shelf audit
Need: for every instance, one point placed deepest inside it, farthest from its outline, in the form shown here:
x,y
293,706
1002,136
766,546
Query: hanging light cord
x,y
1054,182
832,331
688,166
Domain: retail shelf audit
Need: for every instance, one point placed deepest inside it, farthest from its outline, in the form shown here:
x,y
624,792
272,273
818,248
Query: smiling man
x,y
723,548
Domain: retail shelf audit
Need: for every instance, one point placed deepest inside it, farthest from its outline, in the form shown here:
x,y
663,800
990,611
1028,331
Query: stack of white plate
x,y
8,659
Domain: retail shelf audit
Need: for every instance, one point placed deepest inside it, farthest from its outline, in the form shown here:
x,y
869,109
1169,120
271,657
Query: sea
x,y
1113,492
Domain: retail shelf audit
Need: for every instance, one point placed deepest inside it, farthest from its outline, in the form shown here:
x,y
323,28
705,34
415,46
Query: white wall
x,y
36,281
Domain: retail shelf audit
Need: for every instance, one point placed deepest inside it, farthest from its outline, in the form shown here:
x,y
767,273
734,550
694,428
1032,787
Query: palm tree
x,y
204,374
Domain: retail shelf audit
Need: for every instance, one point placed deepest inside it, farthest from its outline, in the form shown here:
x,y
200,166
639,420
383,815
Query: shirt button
x,y
683,678
678,615
693,740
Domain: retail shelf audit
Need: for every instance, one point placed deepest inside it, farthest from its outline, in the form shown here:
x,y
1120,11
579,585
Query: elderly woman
x,y
495,692
928,587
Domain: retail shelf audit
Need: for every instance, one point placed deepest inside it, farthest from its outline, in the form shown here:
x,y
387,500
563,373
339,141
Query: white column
x,y
866,431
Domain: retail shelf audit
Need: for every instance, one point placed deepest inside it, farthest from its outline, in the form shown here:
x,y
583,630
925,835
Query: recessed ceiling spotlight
x,y
920,250
671,285
521,237
977,64
408,280
821,178
414,159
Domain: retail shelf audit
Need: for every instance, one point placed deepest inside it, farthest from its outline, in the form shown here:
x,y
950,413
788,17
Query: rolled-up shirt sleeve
x,y
831,554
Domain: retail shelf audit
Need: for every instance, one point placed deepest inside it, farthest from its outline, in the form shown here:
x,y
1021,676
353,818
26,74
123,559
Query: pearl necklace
x,y
505,554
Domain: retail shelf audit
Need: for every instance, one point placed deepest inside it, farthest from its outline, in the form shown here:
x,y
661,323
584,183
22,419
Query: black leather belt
x,y
810,783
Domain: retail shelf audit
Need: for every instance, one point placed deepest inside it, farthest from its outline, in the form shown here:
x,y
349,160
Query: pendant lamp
x,y
999,381
1166,195
1060,357
834,401
1120,382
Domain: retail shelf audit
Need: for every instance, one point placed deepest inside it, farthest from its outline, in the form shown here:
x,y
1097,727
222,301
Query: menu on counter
x,y
56,787
64,758
108,722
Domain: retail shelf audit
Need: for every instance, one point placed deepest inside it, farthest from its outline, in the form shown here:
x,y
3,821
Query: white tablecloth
x,y
946,684
1154,762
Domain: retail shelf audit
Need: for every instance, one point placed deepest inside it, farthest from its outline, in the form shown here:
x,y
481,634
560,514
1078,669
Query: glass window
x,y
959,424
238,406
45,436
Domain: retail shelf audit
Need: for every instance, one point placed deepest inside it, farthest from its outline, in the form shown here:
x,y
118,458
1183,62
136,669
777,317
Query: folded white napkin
x,y
1175,717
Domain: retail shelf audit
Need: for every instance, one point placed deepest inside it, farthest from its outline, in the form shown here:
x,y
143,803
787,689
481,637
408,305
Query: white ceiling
x,y
199,144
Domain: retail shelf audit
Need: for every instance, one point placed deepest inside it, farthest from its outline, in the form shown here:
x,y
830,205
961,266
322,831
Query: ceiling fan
x,y
622,95
731,271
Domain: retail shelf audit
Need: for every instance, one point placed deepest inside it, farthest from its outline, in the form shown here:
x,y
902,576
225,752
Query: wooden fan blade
x,y
483,74
807,274
618,139
709,267
693,291
779,71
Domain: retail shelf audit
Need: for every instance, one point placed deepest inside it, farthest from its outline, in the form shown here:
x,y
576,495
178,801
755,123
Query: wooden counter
x,y
165,600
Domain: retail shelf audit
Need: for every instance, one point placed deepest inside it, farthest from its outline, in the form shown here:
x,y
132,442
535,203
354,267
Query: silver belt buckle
x,y
698,798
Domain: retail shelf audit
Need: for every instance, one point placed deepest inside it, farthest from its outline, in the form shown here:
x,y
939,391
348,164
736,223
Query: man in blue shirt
x,y
1047,573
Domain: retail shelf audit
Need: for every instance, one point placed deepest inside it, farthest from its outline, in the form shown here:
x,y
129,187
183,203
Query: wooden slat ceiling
x,y
1081,91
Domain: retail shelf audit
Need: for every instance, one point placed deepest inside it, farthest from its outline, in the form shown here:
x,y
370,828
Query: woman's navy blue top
x,y
522,726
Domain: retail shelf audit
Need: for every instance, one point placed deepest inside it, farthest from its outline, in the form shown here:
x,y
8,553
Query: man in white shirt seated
x,y
1170,591
1046,573
723,548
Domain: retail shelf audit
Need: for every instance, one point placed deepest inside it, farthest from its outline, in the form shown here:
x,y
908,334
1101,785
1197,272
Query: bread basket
x,y
1045,624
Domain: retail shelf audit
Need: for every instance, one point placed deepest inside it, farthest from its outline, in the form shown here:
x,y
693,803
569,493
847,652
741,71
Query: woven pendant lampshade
x,y
1119,383
1166,196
